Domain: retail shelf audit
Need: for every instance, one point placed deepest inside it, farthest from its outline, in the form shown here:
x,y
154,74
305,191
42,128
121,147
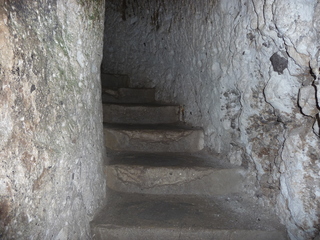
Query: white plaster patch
x,y
307,101
5,186
280,91
6,49
81,59
6,126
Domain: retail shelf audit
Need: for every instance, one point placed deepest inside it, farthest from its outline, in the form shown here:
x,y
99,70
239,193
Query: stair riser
x,y
114,81
178,233
154,140
129,95
126,114
201,181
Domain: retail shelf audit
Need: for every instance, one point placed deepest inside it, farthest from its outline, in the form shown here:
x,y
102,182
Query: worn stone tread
x,y
148,104
128,95
153,138
178,127
167,159
172,173
140,216
140,113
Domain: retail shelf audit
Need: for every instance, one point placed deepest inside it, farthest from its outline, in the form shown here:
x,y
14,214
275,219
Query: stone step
x,y
153,138
172,173
114,81
161,217
140,114
128,95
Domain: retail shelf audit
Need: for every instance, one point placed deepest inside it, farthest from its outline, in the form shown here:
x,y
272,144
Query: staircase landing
x,y
146,217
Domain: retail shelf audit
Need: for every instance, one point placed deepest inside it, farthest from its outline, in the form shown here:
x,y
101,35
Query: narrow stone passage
x,y
161,182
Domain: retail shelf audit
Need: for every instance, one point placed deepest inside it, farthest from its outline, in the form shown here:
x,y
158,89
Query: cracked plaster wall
x,y
246,71
51,147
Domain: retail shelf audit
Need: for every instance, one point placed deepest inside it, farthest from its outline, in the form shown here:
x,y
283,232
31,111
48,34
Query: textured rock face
x,y
245,72
51,153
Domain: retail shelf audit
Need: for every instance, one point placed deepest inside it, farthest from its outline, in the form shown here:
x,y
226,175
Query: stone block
x,y
140,114
159,138
175,180
128,95
142,217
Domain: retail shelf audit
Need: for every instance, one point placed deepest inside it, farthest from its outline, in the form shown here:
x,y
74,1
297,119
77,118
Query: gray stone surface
x,y
114,81
139,217
128,95
51,132
140,114
172,173
153,138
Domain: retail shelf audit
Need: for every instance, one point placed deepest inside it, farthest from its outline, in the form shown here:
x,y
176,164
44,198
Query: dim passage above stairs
x,y
161,182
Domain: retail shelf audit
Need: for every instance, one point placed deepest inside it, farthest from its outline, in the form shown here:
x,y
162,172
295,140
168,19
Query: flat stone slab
x,y
153,138
172,173
145,217
140,114
128,95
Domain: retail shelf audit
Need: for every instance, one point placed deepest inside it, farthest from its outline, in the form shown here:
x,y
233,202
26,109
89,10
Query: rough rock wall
x,y
279,136
51,146
244,71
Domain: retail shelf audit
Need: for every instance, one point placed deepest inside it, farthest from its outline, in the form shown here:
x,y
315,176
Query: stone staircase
x,y
161,182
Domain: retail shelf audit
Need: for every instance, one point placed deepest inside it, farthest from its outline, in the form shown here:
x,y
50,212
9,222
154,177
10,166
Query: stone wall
x,y
243,70
51,147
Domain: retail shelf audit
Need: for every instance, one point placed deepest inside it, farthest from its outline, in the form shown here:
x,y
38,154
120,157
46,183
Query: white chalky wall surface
x,y
242,70
51,182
